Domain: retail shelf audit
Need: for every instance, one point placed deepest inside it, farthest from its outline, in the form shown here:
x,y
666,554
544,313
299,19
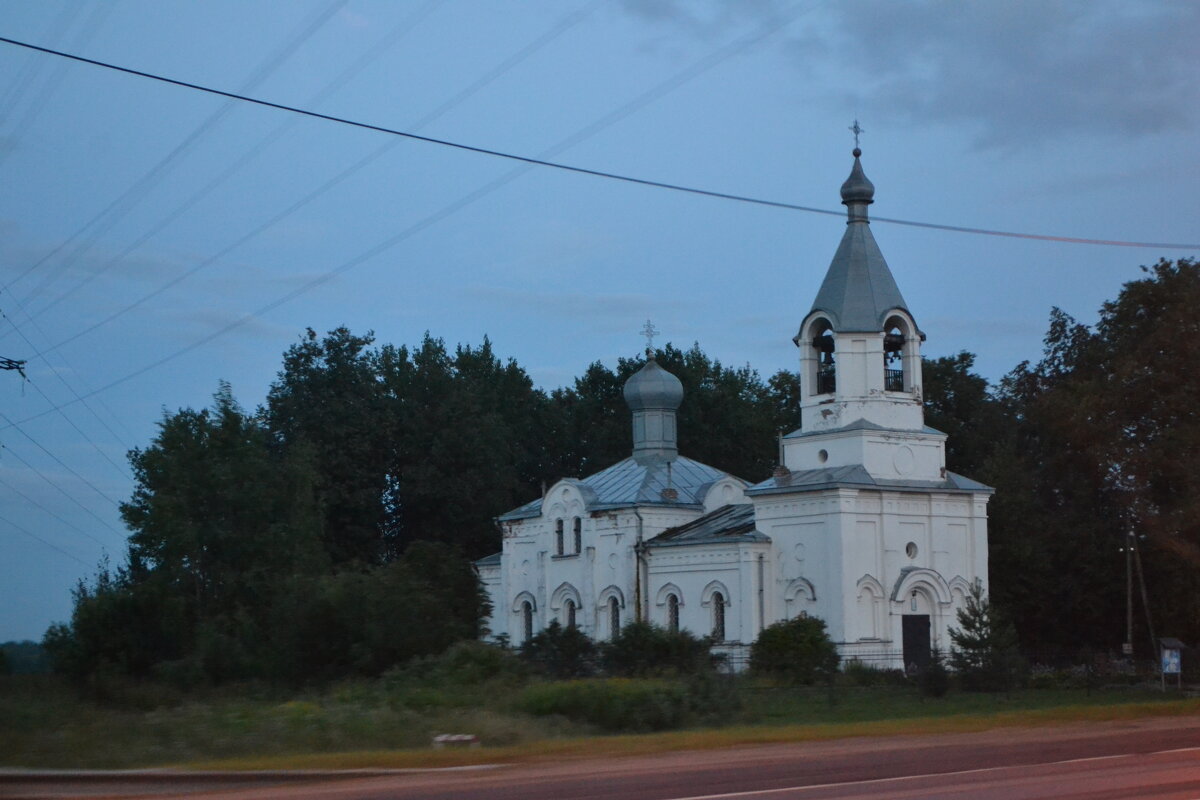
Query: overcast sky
x,y
155,240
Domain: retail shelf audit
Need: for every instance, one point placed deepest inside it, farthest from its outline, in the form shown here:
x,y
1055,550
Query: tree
x,y
984,652
218,516
958,402
465,443
327,401
796,650
362,621
1102,441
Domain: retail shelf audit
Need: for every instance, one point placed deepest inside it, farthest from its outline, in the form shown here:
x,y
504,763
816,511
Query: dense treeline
x,y
330,532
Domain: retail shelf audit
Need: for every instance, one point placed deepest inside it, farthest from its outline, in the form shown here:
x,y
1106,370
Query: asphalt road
x,y
1157,758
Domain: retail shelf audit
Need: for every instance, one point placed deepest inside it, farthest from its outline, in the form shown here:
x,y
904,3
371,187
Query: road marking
x,y
764,792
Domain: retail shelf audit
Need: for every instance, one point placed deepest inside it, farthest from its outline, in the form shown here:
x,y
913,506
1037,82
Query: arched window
x,y
893,358
558,537
826,372
614,617
718,607
570,609
578,535
673,613
527,618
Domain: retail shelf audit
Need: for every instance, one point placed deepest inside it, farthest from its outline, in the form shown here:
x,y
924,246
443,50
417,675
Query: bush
x,y
466,663
797,650
611,704
561,652
645,650
856,673
934,680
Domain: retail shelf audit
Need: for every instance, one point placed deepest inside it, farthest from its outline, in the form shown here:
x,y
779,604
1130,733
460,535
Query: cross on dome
x,y
649,331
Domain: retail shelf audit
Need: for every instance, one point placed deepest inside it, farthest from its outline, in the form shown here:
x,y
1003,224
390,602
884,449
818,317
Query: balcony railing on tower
x,y
893,380
826,379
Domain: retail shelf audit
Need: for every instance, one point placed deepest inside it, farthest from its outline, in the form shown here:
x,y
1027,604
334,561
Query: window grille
x,y
672,613
578,535
558,537
614,616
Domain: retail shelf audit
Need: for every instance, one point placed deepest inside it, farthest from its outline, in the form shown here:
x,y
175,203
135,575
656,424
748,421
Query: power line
x,y
50,85
68,420
58,460
692,71
541,162
118,208
61,490
33,535
564,24
405,25
41,354
26,76
69,524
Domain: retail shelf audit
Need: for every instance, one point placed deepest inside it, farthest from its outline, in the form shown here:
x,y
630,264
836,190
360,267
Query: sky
x,y
156,240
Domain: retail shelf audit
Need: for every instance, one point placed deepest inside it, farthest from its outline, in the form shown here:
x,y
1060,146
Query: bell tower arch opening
x,y
901,354
823,379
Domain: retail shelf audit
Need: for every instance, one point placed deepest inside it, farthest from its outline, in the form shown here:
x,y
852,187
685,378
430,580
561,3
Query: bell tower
x,y
860,348
860,363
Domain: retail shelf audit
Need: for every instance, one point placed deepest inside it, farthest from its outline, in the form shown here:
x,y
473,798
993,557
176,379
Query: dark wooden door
x,y
916,641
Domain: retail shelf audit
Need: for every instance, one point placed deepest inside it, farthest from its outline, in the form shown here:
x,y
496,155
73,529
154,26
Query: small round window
x,y
822,456
911,549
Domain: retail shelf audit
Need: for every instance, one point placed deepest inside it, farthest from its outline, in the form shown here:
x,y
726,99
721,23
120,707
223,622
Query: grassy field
x,y
388,723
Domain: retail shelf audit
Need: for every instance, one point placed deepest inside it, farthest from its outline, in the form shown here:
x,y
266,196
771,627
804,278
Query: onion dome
x,y
653,395
652,387
857,188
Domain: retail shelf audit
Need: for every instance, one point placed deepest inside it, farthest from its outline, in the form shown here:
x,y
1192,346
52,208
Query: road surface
x,y
1151,758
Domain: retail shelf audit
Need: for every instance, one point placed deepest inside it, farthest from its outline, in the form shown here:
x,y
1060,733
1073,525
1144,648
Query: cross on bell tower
x,y
856,129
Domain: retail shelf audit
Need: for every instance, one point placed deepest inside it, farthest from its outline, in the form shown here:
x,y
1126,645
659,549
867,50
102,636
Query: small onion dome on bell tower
x,y
653,395
857,188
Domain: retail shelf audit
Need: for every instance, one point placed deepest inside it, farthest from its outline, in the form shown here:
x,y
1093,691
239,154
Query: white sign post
x,y
1172,664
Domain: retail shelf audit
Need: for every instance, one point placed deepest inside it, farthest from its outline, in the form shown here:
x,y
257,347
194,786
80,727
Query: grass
x,y
381,724
705,739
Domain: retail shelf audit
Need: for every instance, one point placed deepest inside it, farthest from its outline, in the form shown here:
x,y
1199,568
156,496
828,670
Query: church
x,y
860,524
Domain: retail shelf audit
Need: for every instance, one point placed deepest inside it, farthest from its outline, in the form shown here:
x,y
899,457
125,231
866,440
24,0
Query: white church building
x,y
861,525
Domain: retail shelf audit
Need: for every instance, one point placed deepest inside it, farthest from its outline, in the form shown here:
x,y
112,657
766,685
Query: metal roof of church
x,y
628,483
732,523
855,476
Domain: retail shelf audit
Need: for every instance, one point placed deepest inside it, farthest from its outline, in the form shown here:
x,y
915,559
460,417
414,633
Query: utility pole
x,y
12,363
1128,648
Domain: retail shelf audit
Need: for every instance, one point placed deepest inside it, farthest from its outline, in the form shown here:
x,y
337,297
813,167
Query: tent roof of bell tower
x,y
858,290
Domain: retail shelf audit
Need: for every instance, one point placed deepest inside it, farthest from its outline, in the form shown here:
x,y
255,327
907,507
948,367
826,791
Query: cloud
x,y
1015,73
185,325
1024,70
577,305
704,19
